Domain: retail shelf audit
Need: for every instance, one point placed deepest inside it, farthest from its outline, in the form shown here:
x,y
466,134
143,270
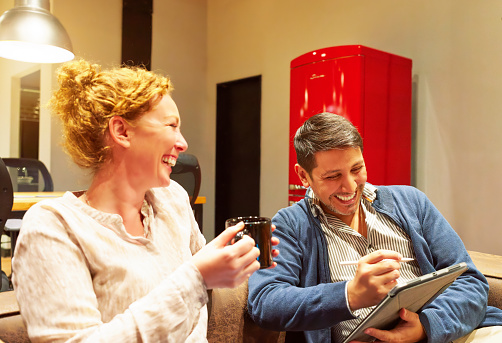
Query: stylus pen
x,y
352,263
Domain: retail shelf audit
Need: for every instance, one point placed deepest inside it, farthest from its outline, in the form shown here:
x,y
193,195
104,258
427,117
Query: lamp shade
x,y
30,33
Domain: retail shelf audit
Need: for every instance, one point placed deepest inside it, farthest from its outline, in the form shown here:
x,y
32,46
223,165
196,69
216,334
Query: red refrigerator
x,y
369,87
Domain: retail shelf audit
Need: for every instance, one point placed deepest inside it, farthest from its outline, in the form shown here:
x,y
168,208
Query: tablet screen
x,y
412,295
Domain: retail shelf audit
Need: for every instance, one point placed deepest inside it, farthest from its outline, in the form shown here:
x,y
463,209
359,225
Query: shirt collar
x,y
114,221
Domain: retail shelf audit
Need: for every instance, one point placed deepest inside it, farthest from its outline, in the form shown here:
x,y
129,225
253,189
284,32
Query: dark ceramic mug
x,y
260,229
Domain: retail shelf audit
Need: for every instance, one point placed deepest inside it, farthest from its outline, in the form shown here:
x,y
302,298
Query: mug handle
x,y
241,234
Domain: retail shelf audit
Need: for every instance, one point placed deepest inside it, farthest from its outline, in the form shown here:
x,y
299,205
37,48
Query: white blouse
x,y
80,277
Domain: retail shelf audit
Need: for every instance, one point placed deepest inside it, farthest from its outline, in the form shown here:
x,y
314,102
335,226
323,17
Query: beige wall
x,y
456,48
179,50
455,45
94,27
96,36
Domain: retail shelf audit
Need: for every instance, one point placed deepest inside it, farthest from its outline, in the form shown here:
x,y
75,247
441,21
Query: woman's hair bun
x,y
77,75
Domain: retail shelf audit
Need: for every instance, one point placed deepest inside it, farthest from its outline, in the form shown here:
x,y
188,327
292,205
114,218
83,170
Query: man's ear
x,y
119,131
303,175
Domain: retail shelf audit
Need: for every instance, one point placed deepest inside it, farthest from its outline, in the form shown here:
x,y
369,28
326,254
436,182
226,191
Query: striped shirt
x,y
346,244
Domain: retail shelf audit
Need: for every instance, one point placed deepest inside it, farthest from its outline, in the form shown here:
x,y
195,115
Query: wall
x,y
10,85
96,36
8,70
179,50
456,48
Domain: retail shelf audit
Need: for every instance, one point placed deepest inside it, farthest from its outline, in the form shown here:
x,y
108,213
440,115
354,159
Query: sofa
x,y
228,317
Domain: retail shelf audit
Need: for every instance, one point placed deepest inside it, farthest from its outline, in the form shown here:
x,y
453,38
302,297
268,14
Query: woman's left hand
x,y
275,252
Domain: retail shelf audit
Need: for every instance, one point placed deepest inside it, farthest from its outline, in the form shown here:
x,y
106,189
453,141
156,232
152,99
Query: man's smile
x,y
346,197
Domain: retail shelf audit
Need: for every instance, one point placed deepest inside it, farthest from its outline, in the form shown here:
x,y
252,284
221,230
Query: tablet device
x,y
412,295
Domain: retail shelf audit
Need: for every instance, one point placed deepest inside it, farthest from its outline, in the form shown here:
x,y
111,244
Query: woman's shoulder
x,y
173,191
173,195
55,205
52,215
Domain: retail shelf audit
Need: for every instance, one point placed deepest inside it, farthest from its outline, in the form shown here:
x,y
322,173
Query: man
x,y
344,218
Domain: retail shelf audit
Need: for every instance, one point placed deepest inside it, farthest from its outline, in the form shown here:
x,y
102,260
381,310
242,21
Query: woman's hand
x,y
275,252
227,266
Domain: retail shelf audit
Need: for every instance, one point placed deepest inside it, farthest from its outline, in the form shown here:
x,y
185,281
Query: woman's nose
x,y
181,144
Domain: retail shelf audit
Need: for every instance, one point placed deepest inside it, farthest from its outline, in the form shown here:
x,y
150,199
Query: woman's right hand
x,y
227,266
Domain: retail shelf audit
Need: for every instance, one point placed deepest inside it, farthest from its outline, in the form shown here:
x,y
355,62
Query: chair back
x,y
6,200
29,175
187,173
6,195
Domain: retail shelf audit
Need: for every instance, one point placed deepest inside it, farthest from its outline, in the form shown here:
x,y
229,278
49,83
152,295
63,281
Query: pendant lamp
x,y
30,33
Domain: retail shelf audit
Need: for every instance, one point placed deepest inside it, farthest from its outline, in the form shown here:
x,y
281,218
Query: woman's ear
x,y
119,131
303,175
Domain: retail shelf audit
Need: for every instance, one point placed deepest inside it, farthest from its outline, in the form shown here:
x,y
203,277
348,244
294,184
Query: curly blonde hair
x,y
88,97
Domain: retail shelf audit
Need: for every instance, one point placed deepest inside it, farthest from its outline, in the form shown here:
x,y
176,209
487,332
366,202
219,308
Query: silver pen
x,y
352,263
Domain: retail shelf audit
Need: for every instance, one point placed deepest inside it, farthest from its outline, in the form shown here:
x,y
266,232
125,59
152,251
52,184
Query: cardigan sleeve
x,y
277,299
462,306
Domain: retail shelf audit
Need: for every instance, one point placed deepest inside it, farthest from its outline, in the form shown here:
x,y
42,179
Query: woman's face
x,y
156,143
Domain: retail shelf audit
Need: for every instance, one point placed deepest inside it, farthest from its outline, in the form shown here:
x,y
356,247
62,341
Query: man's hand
x,y
409,330
374,278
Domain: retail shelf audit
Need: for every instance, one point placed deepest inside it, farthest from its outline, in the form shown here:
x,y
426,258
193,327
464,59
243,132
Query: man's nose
x,y
349,184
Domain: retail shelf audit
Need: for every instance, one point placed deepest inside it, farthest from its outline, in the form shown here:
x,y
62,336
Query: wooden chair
x,y
491,267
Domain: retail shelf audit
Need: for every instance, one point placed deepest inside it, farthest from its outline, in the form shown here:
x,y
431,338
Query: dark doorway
x,y
29,115
238,136
137,32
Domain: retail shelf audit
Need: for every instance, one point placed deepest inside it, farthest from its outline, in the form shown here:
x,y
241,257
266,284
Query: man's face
x,y
337,180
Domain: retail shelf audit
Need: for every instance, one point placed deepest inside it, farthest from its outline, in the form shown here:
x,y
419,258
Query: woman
x,y
123,261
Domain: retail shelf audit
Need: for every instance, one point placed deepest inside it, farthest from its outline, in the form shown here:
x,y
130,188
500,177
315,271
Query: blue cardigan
x,y
298,295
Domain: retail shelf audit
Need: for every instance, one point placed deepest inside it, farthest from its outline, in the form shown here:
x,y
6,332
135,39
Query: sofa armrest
x,y
491,267
227,309
12,328
229,320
